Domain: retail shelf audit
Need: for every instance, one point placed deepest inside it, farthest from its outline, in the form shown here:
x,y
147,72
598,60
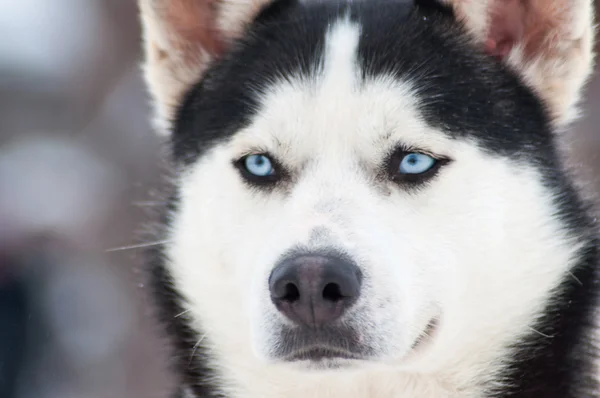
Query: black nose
x,y
314,290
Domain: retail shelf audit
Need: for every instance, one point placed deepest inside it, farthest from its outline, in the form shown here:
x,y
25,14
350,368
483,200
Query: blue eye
x,y
259,165
416,163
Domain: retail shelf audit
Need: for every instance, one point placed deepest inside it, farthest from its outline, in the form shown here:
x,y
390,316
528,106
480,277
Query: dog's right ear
x,y
182,38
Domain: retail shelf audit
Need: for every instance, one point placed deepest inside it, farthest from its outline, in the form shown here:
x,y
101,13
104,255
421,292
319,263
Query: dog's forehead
x,y
314,66
339,113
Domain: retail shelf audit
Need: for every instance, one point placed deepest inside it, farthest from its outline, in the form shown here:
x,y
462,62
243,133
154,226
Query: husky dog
x,y
370,199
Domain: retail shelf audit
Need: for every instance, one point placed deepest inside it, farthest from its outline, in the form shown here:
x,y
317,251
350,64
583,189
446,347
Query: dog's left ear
x,y
182,38
549,43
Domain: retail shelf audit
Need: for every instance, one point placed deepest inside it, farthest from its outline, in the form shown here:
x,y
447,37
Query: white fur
x,y
478,246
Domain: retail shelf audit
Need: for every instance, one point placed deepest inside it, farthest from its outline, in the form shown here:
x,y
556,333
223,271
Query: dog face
x,y
363,183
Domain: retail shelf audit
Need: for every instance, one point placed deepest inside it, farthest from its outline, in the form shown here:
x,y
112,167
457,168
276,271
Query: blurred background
x,y
79,171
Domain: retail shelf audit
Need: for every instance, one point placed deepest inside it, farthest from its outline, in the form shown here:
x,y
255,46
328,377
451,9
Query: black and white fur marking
x,y
479,281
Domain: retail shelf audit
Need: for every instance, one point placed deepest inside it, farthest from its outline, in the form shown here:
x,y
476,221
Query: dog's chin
x,y
334,346
322,358
334,350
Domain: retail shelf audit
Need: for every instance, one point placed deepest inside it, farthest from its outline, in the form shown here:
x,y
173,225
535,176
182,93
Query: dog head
x,y
367,181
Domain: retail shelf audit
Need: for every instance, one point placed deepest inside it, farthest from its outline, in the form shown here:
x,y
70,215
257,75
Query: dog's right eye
x,y
259,165
258,168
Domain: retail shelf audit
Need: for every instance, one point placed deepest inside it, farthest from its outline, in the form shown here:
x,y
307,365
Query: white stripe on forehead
x,y
298,107
333,114
340,58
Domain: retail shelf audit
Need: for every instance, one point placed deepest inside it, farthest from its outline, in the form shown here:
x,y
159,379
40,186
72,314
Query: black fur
x,y
195,373
465,93
556,360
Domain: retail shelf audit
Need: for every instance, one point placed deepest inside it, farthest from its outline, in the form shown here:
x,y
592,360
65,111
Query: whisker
x,y
148,203
138,246
576,278
182,313
196,349
540,333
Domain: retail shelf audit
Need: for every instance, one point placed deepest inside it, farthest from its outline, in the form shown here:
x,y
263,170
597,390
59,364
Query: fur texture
x,y
480,281
549,42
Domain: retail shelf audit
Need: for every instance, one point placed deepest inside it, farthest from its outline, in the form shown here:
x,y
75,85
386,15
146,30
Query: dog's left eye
x,y
416,163
412,167
258,169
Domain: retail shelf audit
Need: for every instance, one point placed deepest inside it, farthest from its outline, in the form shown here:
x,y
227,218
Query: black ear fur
x,y
274,10
429,6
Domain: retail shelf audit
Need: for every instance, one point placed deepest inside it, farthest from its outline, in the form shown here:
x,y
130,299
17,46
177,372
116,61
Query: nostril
x,y
332,292
291,293
314,290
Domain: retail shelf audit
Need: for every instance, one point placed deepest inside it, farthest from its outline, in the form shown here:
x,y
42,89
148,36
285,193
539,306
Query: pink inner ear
x,y
194,23
507,27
